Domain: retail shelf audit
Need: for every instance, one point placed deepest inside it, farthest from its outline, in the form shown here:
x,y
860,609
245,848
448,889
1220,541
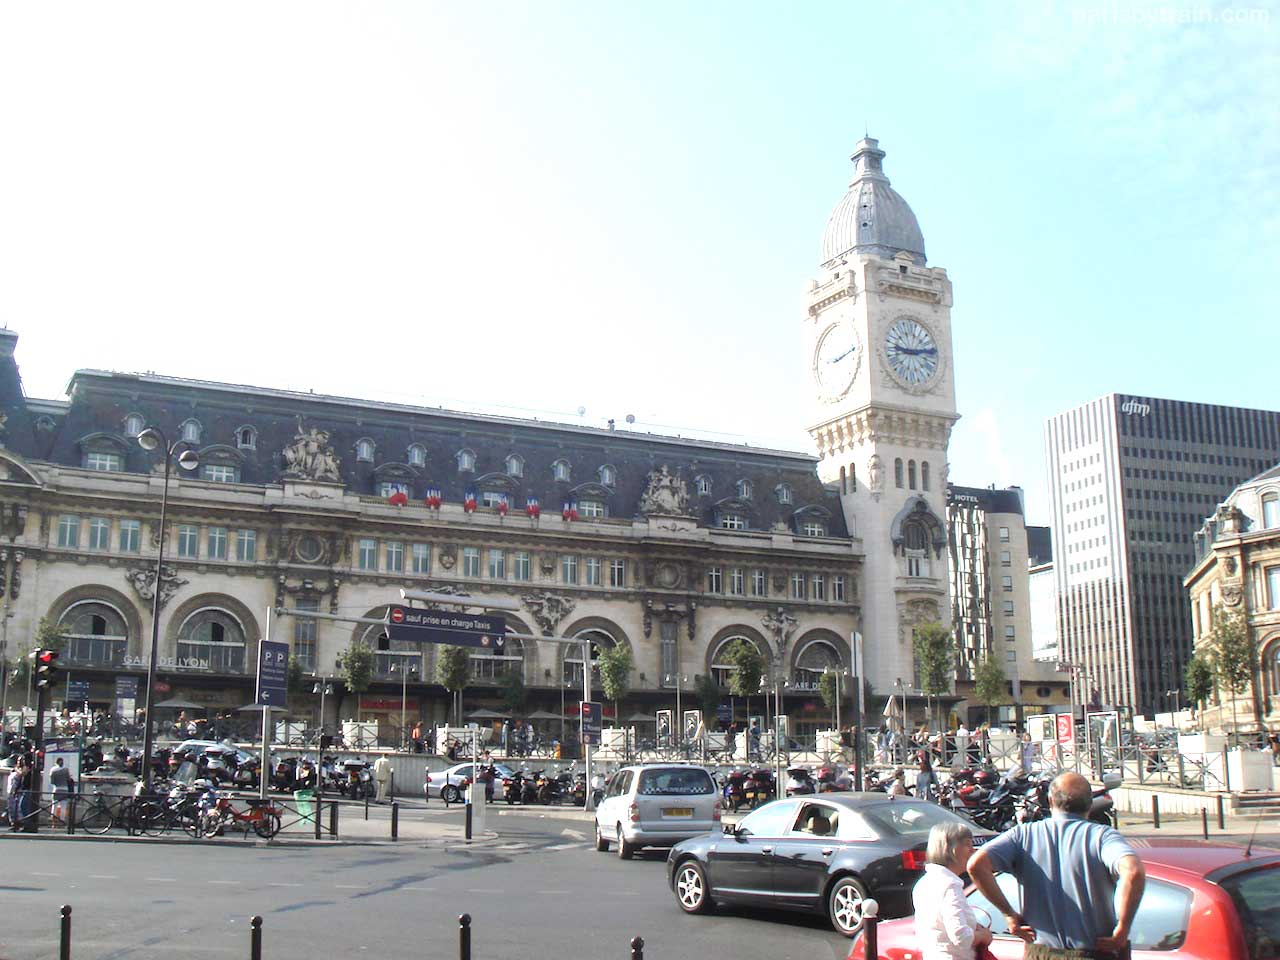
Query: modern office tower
x,y
1130,481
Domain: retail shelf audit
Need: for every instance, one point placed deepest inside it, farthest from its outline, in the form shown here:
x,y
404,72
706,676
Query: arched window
x,y
416,455
853,478
466,461
897,473
844,480
190,431
608,476
702,484
96,634
515,466
924,474
364,450
246,438
490,666
571,670
134,424
744,489
211,639
722,671
398,660
785,495
560,471
1272,667
1271,511
911,474
817,657
915,540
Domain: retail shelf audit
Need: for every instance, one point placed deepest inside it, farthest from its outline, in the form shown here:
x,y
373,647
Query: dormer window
x,y
219,473
560,470
732,521
466,461
191,431
744,489
783,491
416,455
813,528
591,509
364,450
101,460
702,484
246,438
134,424
515,466
608,476
388,488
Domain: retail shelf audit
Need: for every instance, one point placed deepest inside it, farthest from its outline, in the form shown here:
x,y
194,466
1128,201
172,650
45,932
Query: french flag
x,y
503,505
531,507
469,500
433,498
570,511
398,499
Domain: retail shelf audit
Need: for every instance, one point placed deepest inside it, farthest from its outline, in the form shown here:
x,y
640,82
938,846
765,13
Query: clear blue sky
x,y
536,207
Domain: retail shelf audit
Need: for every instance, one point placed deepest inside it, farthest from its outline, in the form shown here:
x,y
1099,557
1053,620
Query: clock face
x,y
836,361
912,354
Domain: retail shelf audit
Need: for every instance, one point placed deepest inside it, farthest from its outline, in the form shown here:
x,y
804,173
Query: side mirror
x,y
730,830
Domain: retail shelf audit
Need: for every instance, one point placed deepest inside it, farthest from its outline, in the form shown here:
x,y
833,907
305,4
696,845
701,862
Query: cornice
x,y
884,424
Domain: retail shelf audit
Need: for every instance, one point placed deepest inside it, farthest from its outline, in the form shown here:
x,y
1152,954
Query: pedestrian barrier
x,y
255,937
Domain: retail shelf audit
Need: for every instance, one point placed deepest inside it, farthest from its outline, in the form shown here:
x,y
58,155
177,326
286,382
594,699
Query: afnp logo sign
x,y
1135,409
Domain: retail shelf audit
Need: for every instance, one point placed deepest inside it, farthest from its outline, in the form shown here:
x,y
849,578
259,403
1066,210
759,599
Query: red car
x,y
1203,901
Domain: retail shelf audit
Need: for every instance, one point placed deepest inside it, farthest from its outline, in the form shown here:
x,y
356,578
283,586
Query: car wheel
x,y
844,905
625,850
691,888
450,794
601,843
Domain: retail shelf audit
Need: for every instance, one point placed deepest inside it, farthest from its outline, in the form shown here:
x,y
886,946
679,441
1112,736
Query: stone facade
x,y
1239,570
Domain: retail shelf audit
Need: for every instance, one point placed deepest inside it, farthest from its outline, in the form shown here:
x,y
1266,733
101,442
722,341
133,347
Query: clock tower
x,y
878,356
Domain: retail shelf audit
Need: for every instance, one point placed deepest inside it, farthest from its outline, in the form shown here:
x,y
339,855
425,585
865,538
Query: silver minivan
x,y
656,805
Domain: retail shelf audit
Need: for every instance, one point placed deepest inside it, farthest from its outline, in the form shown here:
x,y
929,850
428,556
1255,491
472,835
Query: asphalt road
x,y
539,890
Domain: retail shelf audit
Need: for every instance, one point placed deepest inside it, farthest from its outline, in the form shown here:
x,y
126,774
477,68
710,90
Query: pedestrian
x,y
898,784
415,737
506,732
926,779
382,773
452,751
755,740
13,793
304,788
1080,881
731,740
946,926
1027,755
64,786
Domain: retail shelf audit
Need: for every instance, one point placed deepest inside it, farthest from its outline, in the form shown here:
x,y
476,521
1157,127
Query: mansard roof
x,y
101,400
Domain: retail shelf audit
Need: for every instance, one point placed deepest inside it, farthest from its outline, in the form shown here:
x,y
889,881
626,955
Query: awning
x,y
544,715
641,718
483,714
177,703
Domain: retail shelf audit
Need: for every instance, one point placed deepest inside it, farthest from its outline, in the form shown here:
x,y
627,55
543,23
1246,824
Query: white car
x,y
656,805
451,783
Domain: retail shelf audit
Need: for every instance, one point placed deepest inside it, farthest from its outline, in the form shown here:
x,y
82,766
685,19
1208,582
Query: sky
x,y
537,208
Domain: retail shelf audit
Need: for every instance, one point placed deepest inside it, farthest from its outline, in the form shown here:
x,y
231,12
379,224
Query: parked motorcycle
x,y
800,782
759,786
733,792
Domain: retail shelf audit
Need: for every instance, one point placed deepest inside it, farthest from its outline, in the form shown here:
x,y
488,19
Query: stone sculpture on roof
x,y
310,456
665,495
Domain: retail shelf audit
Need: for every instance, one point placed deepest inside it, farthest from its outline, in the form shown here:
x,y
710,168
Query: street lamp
x,y
678,680
404,668
149,439
324,688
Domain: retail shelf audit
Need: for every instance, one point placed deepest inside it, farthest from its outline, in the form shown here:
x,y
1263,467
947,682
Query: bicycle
x,y
99,817
262,817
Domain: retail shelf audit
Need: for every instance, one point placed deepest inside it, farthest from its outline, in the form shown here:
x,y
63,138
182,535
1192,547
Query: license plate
x,y
677,811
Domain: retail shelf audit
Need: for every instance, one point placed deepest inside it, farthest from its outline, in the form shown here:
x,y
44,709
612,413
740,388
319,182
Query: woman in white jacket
x,y
946,927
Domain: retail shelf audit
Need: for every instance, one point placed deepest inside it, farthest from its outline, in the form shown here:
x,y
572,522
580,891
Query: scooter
x,y
800,782
734,793
759,786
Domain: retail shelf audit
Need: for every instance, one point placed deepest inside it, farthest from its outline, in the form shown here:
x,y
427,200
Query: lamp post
x,y
324,688
678,680
153,438
404,668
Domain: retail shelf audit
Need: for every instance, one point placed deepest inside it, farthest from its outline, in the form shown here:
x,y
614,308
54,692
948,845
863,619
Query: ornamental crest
x,y
548,609
666,494
782,625
144,580
310,456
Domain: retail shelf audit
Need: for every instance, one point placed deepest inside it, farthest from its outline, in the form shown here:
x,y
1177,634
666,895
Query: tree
x,y
356,663
829,690
1198,680
47,637
748,669
989,683
935,653
615,675
1235,656
709,694
513,693
453,670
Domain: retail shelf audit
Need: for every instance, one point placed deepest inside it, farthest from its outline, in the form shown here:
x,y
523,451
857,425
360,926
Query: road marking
x,y
229,882
420,889
348,886
37,873
555,893
485,890
284,884
161,880
574,834
102,876
561,846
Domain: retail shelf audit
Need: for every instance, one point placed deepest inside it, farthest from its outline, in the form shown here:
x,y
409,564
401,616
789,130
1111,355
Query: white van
x,y
656,805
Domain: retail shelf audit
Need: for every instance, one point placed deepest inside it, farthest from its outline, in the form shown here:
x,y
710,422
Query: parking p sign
x,y
273,673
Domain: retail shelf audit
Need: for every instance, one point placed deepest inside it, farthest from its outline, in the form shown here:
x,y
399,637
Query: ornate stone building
x,y
1238,569
675,547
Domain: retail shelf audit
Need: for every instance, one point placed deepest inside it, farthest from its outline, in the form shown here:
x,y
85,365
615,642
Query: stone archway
x,y
136,641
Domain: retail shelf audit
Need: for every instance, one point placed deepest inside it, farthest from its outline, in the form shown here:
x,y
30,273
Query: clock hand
x,y
843,355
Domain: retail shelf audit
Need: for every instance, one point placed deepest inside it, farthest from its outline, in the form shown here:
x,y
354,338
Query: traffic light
x,y
46,668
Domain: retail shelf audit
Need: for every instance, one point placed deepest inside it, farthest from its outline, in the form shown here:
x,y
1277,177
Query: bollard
x,y
391,789
637,948
1155,812
1222,814
316,815
64,947
333,820
870,935
71,815
1204,822
255,939
366,807
468,834
464,937
395,820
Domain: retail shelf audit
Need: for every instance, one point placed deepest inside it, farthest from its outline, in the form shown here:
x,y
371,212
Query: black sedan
x,y
823,854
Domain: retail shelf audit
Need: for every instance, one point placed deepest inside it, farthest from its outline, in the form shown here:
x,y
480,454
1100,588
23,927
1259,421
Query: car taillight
x,y
428,778
715,811
634,812
912,859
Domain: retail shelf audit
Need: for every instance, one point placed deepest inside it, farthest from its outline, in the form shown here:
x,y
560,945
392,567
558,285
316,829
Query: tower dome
x,y
872,217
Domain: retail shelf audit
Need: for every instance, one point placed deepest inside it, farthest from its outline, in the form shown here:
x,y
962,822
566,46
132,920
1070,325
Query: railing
x,y
95,651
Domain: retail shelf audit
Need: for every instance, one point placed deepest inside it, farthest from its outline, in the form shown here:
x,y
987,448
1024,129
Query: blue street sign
x,y
77,691
724,713
440,626
273,673
591,722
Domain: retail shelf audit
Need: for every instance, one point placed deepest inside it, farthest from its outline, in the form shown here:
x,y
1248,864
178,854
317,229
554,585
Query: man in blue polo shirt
x,y
1075,876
